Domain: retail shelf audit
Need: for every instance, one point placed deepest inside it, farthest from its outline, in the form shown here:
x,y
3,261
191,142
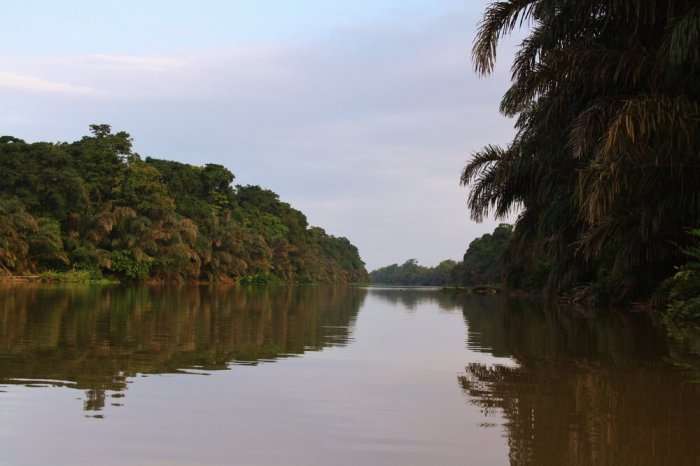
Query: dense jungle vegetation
x,y
483,264
604,169
95,205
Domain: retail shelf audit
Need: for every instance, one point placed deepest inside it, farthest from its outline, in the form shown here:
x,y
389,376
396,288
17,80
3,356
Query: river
x,y
334,376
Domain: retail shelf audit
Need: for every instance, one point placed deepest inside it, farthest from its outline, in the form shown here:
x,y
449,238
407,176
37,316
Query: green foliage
x,y
603,170
410,273
259,279
95,205
683,289
16,226
483,264
124,263
46,244
76,276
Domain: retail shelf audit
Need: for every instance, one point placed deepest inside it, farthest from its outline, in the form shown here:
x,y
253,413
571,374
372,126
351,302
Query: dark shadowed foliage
x,y
604,169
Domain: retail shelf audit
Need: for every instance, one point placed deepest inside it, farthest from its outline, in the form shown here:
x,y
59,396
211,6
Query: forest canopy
x,y
604,168
98,206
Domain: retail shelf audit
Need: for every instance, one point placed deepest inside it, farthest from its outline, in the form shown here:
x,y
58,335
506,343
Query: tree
x,y
604,166
95,205
484,260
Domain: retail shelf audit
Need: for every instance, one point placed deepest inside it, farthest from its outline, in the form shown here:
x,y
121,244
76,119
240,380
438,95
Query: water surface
x,y
334,376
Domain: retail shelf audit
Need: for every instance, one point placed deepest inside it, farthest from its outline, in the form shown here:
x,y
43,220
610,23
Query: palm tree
x,y
605,165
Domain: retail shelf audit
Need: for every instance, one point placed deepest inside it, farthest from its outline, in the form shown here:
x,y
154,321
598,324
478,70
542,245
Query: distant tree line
x,y
411,273
482,264
604,168
96,205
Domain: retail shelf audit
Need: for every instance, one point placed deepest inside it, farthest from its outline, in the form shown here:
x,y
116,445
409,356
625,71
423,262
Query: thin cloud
x,y
19,82
132,62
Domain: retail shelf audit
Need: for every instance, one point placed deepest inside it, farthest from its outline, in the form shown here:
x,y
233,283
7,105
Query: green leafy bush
x,y
124,263
684,287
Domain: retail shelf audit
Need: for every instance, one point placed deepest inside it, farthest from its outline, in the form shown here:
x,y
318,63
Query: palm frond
x,y
499,20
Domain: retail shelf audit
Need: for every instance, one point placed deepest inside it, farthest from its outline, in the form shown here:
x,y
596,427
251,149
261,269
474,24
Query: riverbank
x,y
478,290
87,277
60,277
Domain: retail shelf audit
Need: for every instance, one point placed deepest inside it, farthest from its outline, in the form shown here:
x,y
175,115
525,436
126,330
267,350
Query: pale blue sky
x,y
360,113
162,26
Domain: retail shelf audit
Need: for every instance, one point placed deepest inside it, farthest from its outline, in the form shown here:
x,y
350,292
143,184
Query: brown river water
x,y
311,376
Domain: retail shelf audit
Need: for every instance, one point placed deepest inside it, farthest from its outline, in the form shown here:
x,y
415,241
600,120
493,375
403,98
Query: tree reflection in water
x,y
582,389
596,390
577,389
96,339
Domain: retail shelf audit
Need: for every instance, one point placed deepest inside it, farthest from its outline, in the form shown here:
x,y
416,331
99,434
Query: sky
x,y
359,113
